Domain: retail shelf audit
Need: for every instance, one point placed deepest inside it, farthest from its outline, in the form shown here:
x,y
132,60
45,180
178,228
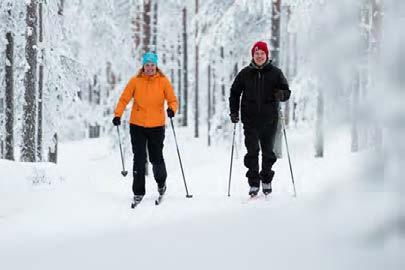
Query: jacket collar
x,y
159,73
266,66
143,75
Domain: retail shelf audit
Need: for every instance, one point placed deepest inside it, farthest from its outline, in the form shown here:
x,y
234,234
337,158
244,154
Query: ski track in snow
x,y
82,218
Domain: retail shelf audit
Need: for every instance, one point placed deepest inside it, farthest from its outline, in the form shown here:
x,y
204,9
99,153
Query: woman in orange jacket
x,y
149,89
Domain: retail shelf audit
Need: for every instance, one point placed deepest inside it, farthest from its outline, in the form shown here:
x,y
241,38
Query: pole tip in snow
x,y
189,196
124,173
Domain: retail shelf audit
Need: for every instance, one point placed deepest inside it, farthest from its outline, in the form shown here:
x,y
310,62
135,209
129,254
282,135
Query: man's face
x,y
149,69
259,57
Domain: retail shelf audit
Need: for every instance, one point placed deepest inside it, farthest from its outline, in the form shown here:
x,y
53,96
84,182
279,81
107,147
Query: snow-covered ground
x,y
76,215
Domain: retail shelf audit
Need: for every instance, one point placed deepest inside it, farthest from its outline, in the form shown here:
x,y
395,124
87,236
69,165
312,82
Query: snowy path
x,y
83,221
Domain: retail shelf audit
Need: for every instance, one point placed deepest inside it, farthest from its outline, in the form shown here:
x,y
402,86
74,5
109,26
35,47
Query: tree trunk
x,y
214,88
179,77
275,32
294,61
209,105
172,61
111,80
164,52
28,151
94,128
294,53
40,113
222,55
235,71
196,108
9,97
288,67
377,17
53,151
364,70
90,93
40,87
319,140
60,7
155,24
136,26
275,52
185,70
355,105
147,6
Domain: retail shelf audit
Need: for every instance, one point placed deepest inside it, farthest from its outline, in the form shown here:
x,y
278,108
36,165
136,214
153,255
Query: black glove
x,y
170,113
234,117
116,121
279,95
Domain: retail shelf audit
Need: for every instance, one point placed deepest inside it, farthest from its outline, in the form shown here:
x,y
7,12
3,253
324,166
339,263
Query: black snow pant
x,y
152,138
265,136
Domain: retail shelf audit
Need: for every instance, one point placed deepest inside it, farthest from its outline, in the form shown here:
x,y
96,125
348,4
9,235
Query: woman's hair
x,y
158,71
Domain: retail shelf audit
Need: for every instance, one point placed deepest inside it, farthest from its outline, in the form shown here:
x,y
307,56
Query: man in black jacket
x,y
262,87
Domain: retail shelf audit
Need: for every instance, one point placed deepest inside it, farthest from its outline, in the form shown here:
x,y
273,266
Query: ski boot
x,y
253,191
162,190
266,187
137,200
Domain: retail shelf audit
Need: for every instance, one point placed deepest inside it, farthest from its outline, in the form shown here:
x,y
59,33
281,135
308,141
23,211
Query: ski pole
x,y
288,152
230,168
123,172
181,165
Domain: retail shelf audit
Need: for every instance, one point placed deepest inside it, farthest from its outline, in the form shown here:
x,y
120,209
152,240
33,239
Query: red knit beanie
x,y
260,45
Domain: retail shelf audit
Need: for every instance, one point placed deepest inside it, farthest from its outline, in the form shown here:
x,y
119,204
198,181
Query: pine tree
x,y
185,69
9,94
28,151
196,82
40,85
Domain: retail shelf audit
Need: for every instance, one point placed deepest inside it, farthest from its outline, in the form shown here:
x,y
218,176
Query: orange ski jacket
x,y
149,94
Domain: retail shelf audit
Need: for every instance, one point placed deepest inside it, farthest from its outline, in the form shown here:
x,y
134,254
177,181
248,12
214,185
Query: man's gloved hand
x,y
234,117
170,113
116,121
279,95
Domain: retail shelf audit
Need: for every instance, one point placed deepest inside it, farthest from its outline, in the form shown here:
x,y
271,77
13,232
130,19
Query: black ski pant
x,y
152,138
256,137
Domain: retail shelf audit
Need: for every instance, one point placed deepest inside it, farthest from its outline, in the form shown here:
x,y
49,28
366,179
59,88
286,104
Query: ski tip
x,y
254,197
133,205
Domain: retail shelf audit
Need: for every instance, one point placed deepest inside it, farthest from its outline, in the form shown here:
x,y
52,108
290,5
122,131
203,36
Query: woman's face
x,y
149,69
259,57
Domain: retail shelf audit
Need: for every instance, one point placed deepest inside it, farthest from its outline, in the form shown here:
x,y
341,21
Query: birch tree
x,y
275,55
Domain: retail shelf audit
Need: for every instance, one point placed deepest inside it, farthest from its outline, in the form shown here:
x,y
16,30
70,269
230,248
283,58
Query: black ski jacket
x,y
258,86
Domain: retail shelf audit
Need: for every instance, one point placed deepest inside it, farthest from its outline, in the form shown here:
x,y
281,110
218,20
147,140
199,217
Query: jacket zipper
x,y
259,91
148,80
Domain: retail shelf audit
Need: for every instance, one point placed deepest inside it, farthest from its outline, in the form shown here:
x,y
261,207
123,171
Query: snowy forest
x,y
65,63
